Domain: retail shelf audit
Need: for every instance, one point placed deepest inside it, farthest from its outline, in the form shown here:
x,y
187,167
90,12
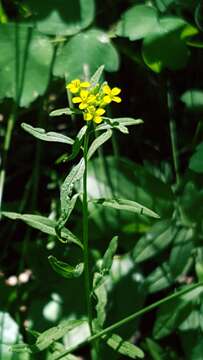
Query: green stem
x,y
172,129
86,237
132,317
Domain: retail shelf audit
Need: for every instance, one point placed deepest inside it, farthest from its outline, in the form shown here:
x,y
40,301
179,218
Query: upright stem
x,y
86,236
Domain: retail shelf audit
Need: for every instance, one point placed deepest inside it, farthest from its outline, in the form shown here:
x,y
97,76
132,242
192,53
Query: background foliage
x,y
153,51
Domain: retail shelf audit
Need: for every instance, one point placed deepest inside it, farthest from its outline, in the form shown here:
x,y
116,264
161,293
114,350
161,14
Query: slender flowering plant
x,y
89,101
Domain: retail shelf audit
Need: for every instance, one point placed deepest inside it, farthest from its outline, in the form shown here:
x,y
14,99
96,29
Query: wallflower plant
x,y
90,102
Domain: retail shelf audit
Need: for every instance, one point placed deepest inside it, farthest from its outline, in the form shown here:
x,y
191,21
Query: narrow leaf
x,y
118,123
110,252
65,269
97,75
47,136
43,224
128,205
100,140
64,111
77,143
65,214
101,294
123,347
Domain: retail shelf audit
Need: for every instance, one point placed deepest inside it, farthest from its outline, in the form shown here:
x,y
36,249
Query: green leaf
x,y
100,291
193,99
25,63
97,75
155,349
47,136
84,53
123,347
196,161
137,22
65,214
165,48
64,111
64,269
170,316
56,18
67,187
117,122
99,141
159,279
110,252
55,333
127,205
77,143
43,224
156,240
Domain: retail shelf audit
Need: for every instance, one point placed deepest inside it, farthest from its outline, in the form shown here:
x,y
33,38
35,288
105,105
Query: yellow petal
x,y
84,94
76,100
91,99
107,99
100,111
85,84
115,91
88,116
116,99
83,105
97,119
106,89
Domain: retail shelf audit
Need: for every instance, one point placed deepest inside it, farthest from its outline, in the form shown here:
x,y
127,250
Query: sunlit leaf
x,y
47,136
65,269
99,141
124,347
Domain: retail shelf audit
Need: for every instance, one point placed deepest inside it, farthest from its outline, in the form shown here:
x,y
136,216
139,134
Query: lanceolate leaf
x,y
124,347
128,205
65,269
43,224
47,136
118,122
97,75
64,111
77,143
65,214
100,140
110,252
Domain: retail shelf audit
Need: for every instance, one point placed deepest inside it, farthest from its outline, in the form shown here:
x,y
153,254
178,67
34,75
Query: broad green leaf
x,y
56,17
25,63
156,240
159,279
47,136
117,122
196,161
55,333
64,111
99,141
138,21
127,205
110,252
123,347
84,53
165,48
65,269
43,224
193,99
170,316
181,251
97,75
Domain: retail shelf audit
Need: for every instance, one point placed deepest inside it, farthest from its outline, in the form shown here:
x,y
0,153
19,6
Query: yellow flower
x,y
94,114
85,99
76,85
110,94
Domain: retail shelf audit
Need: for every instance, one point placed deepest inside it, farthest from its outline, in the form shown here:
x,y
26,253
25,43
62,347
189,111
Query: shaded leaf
x,y
84,53
97,75
47,136
196,161
110,252
138,21
65,269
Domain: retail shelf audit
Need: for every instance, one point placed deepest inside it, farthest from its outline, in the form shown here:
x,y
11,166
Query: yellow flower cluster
x,y
92,100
